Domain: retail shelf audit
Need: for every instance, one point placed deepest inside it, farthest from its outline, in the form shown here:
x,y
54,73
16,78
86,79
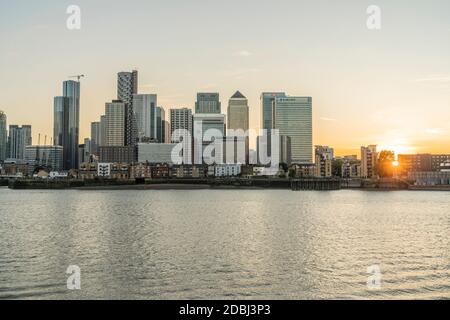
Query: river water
x,y
224,244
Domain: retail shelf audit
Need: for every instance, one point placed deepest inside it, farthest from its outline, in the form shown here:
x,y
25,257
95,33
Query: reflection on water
x,y
208,244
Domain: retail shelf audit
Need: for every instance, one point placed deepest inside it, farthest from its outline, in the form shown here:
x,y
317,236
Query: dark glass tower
x,y
127,86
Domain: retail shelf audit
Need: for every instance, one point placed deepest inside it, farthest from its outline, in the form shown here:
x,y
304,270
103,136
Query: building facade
x,y
127,86
369,157
95,137
118,154
208,103
324,156
238,112
115,123
3,136
155,153
292,116
267,105
207,128
18,139
49,157
180,119
145,112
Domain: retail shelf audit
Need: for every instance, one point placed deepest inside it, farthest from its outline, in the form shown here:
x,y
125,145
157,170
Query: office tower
x,y
323,165
160,117
102,131
292,116
208,103
71,90
3,136
144,106
84,151
267,102
180,119
95,137
369,158
167,134
115,123
238,112
212,125
127,86
60,127
50,157
263,154
19,138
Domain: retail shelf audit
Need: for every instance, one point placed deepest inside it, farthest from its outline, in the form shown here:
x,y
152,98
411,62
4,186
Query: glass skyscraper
x,y
3,136
267,102
293,118
19,138
145,109
66,123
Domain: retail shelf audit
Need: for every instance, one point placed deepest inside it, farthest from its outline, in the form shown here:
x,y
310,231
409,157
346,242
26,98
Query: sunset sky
x,y
389,87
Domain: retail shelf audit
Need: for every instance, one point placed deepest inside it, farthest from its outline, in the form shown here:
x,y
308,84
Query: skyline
x,y
389,87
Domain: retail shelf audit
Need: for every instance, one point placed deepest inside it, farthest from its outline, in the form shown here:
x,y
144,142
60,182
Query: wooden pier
x,y
315,184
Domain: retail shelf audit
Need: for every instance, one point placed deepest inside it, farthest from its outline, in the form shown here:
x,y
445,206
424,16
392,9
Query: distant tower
x,y
127,86
115,123
3,136
208,103
19,138
180,119
238,112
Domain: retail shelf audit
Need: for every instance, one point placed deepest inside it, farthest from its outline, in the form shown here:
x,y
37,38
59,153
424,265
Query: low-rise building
x,y
189,171
117,154
323,164
141,171
430,178
160,171
227,170
155,153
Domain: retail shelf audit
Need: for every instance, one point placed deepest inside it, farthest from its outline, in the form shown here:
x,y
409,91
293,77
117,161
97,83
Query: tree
x,y
336,167
385,166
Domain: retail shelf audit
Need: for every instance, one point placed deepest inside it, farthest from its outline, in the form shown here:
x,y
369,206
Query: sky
x,y
389,87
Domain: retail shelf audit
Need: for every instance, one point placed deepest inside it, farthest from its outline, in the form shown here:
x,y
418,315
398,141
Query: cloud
x,y
243,53
328,119
435,78
433,131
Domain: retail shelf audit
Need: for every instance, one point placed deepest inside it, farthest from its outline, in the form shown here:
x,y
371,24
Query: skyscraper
x,y
71,90
60,127
19,138
95,138
267,102
180,119
3,136
238,112
115,123
160,118
102,131
127,86
292,116
145,114
213,125
208,103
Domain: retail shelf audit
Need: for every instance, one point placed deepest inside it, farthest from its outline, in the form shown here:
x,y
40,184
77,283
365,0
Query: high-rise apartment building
x,y
208,103
145,106
180,119
238,112
292,116
66,123
127,86
323,165
115,123
369,158
3,136
19,138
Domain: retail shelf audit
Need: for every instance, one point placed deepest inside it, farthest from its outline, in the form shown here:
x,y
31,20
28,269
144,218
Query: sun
x,y
395,163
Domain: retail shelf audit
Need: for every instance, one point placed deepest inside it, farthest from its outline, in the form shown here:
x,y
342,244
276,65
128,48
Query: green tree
x,y
385,168
336,167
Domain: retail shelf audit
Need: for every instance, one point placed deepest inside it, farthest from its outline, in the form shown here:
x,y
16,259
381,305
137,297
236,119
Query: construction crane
x,y
78,77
